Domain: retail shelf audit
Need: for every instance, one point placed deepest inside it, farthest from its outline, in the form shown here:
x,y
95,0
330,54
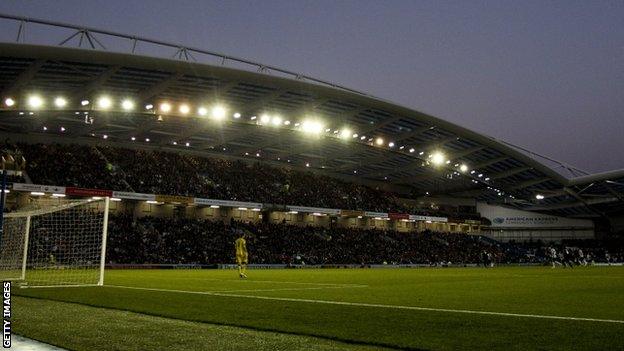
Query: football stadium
x,y
158,196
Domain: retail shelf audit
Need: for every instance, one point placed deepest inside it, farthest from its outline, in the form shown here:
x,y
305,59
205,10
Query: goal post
x,y
56,245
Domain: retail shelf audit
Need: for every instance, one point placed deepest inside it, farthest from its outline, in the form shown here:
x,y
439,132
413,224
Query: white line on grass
x,y
238,290
373,305
260,281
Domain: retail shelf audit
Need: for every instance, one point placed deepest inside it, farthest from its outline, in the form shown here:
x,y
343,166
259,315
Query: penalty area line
x,y
373,305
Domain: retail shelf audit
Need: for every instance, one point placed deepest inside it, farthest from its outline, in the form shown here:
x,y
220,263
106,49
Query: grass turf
x,y
591,292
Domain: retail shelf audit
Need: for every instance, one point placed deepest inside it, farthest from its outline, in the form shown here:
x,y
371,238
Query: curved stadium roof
x,y
496,171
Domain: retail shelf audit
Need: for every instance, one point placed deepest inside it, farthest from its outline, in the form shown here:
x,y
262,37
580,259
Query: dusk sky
x,y
545,75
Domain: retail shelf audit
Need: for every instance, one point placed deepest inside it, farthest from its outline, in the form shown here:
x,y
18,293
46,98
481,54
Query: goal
x,y
56,245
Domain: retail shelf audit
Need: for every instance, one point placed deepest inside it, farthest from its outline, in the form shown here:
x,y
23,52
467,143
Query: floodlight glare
x,y
276,121
202,111
9,102
265,118
127,104
84,102
237,115
463,168
411,150
35,101
184,109
391,144
165,107
218,112
539,197
60,102
104,102
287,123
437,158
379,141
314,127
345,133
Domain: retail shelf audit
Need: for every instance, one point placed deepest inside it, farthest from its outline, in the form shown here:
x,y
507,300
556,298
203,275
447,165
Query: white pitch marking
x,y
361,304
262,281
236,290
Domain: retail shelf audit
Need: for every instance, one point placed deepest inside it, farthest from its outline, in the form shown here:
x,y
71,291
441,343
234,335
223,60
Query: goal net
x,y
55,245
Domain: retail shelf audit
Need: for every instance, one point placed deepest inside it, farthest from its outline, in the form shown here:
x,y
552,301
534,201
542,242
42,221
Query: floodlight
x,y
60,102
411,150
463,168
187,144
345,133
437,158
218,112
9,102
165,107
265,118
276,121
539,197
312,127
127,104
105,136
84,102
184,109
35,101
237,115
149,106
391,144
287,123
202,111
379,141
104,102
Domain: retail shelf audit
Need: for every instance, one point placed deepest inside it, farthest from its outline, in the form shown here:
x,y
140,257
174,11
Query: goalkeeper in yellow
x,y
241,256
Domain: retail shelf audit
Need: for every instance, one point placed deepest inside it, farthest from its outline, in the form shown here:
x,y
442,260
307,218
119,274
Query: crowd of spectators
x,y
192,241
160,172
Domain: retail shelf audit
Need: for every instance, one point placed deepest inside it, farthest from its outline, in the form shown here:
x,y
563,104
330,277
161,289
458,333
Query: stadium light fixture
x,y
218,112
437,158
237,115
539,197
363,137
265,119
63,129
307,163
255,209
463,168
312,127
58,195
379,141
116,199
104,102
127,104
84,102
355,135
411,150
133,138
153,202
37,193
149,106
60,102
293,212
187,144
9,102
214,206
105,136
147,140
390,144
242,208
487,179
184,109
345,133
45,128
276,121
202,111
286,123
165,107
35,101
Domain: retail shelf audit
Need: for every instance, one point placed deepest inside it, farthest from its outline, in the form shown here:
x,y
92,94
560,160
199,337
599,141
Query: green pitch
x,y
343,309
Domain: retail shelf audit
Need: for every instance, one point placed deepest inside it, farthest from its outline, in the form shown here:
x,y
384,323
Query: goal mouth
x,y
57,244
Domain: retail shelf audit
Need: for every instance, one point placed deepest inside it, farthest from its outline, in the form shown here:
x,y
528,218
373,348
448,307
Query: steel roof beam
x,y
24,78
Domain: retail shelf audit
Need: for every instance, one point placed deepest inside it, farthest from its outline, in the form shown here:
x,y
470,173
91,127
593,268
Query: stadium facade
x,y
214,105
